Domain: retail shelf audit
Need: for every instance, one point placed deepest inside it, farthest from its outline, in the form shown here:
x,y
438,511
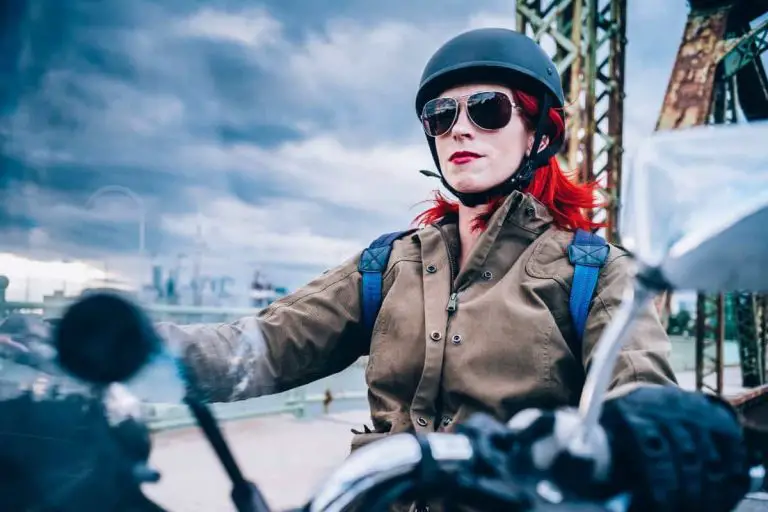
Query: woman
x,y
474,317
475,310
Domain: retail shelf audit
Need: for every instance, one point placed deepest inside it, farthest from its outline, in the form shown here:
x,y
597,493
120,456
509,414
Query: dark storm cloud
x,y
115,95
79,113
192,104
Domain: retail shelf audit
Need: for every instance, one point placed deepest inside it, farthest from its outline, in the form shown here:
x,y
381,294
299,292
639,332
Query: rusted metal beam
x,y
706,50
717,44
752,85
576,119
743,50
615,78
751,397
762,311
688,100
710,314
752,405
752,359
590,37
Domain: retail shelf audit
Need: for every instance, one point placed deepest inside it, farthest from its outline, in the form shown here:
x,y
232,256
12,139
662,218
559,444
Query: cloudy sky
x,y
281,131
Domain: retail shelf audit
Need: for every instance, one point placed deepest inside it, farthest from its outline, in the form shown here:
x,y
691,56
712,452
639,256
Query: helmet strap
x,y
520,179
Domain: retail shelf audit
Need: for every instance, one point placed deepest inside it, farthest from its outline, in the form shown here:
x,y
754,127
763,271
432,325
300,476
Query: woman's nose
x,y
463,127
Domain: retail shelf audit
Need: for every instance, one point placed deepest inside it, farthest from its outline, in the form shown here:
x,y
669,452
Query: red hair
x,y
567,201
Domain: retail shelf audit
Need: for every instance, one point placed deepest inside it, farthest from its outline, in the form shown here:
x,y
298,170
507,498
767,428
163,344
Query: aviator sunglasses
x,y
490,110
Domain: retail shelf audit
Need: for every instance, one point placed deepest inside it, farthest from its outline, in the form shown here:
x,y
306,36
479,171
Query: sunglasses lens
x,y
490,110
438,116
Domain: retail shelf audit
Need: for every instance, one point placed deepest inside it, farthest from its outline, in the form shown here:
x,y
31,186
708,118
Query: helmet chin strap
x,y
519,179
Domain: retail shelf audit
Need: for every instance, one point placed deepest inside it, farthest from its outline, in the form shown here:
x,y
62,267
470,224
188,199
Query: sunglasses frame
x,y
462,100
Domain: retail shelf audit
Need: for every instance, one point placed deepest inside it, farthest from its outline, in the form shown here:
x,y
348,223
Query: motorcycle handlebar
x,y
387,462
439,465
402,466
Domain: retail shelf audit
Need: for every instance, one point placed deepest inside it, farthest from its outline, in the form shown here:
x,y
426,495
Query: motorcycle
x,y
675,225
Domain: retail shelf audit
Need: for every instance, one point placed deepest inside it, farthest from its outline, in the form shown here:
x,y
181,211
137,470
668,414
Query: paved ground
x,y
285,456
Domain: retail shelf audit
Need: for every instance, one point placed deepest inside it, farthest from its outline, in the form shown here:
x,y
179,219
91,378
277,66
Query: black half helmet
x,y
504,56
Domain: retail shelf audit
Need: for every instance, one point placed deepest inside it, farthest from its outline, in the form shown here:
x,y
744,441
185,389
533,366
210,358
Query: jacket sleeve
x,y
307,335
645,357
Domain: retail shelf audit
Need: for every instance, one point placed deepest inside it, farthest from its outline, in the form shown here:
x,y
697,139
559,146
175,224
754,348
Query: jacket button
x,y
487,275
456,339
431,269
530,211
435,336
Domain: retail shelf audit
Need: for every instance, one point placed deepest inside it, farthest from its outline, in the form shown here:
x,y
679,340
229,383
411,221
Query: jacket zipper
x,y
453,302
453,299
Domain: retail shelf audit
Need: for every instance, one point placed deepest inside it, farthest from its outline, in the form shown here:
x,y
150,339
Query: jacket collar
x,y
520,216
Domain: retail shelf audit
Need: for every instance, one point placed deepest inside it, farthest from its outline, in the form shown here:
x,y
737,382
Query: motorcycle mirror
x,y
694,214
695,208
104,338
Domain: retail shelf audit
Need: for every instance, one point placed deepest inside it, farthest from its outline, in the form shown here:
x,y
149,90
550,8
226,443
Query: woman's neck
x,y
467,236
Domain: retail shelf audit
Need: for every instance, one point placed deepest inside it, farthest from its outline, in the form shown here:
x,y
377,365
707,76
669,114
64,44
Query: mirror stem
x,y
605,356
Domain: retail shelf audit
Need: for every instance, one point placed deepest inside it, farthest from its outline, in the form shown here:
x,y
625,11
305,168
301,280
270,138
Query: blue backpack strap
x,y
372,265
587,253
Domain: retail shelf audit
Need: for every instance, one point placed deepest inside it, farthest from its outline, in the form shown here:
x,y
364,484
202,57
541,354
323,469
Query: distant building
x,y
263,293
167,287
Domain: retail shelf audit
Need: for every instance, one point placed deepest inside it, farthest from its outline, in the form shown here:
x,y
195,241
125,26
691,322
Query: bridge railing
x,y
347,387
296,402
181,314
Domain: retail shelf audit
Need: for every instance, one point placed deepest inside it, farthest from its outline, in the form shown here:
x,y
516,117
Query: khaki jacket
x,y
502,348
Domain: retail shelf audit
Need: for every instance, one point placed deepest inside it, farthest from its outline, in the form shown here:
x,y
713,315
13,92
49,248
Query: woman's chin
x,y
470,189
467,185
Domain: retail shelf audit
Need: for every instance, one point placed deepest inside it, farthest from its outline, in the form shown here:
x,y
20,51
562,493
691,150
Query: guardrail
x,y
165,417
54,307
162,417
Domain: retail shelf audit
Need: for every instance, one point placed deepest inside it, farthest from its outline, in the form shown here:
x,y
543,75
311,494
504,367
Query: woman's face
x,y
474,159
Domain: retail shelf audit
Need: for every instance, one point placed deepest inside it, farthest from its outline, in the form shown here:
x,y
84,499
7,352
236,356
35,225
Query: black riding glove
x,y
677,450
62,454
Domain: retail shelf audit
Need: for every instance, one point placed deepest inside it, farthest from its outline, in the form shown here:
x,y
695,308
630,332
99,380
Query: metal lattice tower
x,y
587,40
719,78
